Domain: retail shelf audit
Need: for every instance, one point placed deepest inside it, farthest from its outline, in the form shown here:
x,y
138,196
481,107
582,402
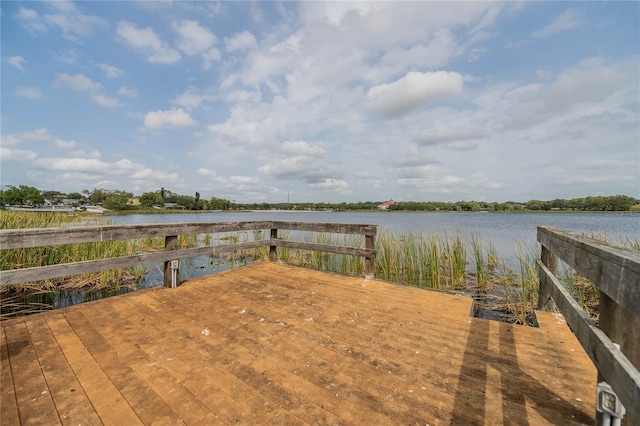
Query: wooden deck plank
x,y
200,346
71,402
224,394
335,372
99,341
110,405
155,371
9,406
277,344
473,372
35,405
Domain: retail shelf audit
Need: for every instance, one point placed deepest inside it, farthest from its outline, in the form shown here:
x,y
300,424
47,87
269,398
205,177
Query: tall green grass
x,y
444,262
26,297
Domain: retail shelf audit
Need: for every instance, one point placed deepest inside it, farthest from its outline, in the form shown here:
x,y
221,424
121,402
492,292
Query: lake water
x,y
505,230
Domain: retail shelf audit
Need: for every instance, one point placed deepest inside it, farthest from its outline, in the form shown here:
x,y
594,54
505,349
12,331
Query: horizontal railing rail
x,y
44,237
613,345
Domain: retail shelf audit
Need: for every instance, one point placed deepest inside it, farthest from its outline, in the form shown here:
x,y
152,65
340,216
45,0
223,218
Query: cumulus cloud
x,y
78,83
98,168
29,92
63,15
192,98
18,62
331,185
81,83
110,71
11,154
307,169
71,21
31,21
194,39
569,19
240,41
412,91
301,148
105,101
37,135
147,42
173,118
130,93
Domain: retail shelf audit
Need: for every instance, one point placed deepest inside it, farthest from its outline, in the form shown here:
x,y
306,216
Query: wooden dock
x,y
277,344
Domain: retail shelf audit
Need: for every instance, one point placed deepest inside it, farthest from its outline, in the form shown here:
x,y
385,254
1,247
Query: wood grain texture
x,y
276,344
37,237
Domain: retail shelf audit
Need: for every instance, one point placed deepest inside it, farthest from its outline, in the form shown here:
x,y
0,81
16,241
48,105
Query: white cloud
x,y
110,71
331,185
207,172
29,92
72,21
14,139
412,91
173,118
37,135
78,83
571,18
209,57
10,154
18,62
130,93
65,16
105,101
194,38
192,98
95,168
84,154
300,148
31,21
68,57
240,41
82,83
148,42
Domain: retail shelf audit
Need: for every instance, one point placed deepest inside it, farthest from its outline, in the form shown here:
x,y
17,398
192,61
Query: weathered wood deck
x,y
276,344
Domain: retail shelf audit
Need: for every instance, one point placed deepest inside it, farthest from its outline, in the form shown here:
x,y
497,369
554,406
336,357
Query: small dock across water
x,y
278,344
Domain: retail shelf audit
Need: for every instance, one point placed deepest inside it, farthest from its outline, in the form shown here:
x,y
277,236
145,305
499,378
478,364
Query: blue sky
x,y
332,102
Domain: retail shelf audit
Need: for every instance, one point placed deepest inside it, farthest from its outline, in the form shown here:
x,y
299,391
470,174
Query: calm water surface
x,y
505,230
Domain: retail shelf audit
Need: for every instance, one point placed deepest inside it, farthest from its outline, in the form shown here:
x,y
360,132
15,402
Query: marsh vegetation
x,y
451,262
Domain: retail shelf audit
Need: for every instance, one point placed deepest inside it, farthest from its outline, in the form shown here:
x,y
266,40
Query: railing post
x,y
544,295
273,252
370,262
623,328
170,243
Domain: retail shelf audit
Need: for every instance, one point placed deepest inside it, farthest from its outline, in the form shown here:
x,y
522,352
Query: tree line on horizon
x,y
24,195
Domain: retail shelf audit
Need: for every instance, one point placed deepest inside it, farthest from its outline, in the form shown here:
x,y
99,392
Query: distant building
x,y
386,205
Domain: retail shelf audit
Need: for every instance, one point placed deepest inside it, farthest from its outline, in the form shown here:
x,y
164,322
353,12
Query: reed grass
x,y
27,297
436,261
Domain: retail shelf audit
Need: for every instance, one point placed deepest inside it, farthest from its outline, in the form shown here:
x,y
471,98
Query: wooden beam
x,y
328,248
337,228
15,276
38,237
614,366
370,261
273,252
614,270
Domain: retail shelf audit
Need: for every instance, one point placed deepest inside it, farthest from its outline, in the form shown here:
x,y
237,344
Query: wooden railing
x,y
616,273
39,237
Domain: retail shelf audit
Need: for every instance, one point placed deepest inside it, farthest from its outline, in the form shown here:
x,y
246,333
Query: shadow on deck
x,y
277,344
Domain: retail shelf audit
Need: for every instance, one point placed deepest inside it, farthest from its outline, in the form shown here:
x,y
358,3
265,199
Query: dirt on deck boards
x,y
278,344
